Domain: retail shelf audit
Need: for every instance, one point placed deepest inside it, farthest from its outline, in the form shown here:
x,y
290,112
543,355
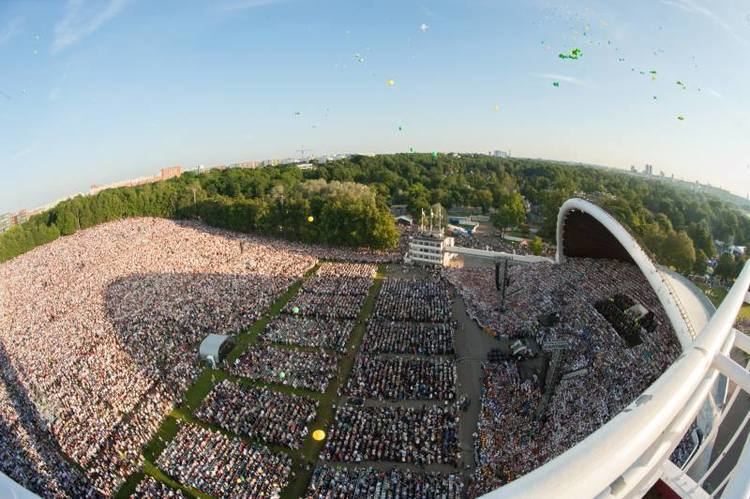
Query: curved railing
x,y
624,458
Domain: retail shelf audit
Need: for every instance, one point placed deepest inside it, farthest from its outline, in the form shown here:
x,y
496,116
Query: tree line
x,y
276,201
348,201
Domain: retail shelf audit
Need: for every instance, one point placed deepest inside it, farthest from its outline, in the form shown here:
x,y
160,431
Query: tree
x,y
536,245
511,213
678,251
725,268
701,263
66,222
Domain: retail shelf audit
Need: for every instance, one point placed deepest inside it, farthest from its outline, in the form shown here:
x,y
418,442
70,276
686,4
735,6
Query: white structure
x,y
214,348
629,454
429,247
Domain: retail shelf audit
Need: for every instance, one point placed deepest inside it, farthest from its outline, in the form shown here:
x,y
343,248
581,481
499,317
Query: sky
x,y
96,91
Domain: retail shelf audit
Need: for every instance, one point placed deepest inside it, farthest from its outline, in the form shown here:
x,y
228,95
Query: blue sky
x,y
99,91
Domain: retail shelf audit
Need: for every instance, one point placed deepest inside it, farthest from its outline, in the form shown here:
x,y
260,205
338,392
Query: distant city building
x,y
171,172
305,166
648,170
5,221
499,154
164,174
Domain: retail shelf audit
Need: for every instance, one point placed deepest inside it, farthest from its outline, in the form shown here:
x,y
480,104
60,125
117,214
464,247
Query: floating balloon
x,y
391,83
295,310
681,118
310,219
573,54
399,128
359,58
556,84
411,149
318,435
497,107
423,27
434,155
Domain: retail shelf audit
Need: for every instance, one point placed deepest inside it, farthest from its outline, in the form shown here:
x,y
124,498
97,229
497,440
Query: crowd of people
x,y
100,332
151,488
415,300
337,290
273,417
343,483
309,370
414,338
684,450
616,372
399,378
325,305
418,435
224,467
315,332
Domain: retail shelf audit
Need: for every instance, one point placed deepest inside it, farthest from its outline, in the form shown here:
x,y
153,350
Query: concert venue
x,y
147,357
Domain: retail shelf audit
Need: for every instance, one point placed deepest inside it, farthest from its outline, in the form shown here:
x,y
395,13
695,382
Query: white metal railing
x,y
624,457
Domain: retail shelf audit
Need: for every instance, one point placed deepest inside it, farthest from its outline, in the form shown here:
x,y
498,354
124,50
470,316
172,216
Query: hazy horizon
x,y
98,92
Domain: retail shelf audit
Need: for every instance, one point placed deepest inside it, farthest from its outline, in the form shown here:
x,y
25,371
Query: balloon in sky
x,y
318,435
399,128
497,107
391,83
310,219
681,118
423,27
556,84
359,58
573,54
411,149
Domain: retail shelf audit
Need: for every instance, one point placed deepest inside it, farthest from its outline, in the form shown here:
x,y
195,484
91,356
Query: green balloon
x,y
295,310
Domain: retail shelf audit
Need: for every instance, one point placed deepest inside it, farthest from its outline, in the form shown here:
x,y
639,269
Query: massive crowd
x,y
310,370
413,338
325,305
617,373
416,300
418,435
343,483
273,417
224,467
99,331
402,379
153,489
317,332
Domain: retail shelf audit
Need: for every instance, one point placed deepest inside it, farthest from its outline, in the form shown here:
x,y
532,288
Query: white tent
x,y
214,348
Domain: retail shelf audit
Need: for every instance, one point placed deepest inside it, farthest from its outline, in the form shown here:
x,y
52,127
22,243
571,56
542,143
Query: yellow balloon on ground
x,y
318,435
310,219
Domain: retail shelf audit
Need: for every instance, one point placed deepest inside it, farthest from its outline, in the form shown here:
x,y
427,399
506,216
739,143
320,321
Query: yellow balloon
x,y
318,435
391,83
310,219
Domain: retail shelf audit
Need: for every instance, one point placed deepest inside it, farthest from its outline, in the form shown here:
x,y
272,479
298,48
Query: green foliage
x,y
536,245
725,268
271,201
510,213
677,250
701,263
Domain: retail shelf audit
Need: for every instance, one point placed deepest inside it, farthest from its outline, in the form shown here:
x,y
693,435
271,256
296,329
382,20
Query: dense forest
x,y
345,202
